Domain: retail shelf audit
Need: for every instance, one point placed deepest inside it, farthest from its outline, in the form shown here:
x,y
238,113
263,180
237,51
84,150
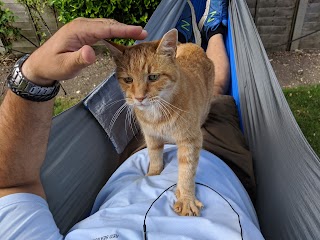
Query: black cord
x,y
145,217
228,203
65,92
293,40
29,40
255,11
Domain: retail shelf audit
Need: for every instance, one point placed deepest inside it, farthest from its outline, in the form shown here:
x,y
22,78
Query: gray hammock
x,y
82,156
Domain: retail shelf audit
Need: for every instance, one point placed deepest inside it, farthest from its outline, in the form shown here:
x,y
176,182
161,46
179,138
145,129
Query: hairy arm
x,y
25,125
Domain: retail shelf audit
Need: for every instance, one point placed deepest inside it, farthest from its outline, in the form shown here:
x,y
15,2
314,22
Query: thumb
x,y
87,55
80,59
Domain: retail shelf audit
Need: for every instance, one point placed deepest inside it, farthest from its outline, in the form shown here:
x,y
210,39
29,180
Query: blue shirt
x,y
120,207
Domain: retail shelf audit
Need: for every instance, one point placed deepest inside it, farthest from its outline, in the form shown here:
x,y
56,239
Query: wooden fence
x,y
281,21
278,22
26,23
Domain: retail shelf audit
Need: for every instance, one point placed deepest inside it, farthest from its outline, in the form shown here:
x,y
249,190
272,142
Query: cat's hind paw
x,y
188,207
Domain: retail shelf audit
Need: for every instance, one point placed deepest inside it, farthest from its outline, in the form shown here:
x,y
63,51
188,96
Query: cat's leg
x,y
155,151
188,157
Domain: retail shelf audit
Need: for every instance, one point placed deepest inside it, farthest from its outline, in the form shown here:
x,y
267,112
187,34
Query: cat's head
x,y
147,71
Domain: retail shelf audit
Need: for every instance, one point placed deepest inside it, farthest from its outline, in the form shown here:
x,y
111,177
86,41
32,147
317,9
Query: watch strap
x,y
24,88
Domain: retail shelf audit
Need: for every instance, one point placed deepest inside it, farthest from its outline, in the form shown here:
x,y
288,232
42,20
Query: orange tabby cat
x,y
169,86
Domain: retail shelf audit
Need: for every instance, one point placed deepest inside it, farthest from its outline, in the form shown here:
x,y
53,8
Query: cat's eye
x,y
128,80
153,77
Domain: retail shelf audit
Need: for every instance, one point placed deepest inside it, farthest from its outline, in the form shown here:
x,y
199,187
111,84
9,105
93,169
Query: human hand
x,y
68,51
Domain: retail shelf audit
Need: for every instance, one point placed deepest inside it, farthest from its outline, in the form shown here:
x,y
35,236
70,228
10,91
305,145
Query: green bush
x,y
126,11
8,33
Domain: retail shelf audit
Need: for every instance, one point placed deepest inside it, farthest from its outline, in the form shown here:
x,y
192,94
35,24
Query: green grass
x,y
63,103
305,104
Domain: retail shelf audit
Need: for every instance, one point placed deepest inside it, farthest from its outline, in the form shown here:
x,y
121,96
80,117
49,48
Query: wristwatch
x,y
24,88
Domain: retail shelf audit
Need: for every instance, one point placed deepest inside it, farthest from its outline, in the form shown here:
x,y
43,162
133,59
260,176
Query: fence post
x,y
298,25
2,49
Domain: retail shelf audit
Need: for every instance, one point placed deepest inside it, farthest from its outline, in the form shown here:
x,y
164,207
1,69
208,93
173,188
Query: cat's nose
x,y
140,99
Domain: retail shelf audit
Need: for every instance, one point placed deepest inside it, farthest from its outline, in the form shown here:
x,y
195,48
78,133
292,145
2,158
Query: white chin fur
x,y
142,107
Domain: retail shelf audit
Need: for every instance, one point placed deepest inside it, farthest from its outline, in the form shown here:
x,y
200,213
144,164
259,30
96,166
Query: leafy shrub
x,y
126,11
8,33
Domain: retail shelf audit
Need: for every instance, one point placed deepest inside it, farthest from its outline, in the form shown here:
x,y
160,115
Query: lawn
x,y
63,103
305,105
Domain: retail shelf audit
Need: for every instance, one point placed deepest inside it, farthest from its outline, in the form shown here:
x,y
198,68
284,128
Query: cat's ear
x,y
115,49
168,43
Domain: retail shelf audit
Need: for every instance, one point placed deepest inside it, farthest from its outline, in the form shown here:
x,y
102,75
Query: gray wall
x,y
278,22
311,23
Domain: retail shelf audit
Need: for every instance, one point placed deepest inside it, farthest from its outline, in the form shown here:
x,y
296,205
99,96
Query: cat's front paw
x,y
155,169
188,207
153,172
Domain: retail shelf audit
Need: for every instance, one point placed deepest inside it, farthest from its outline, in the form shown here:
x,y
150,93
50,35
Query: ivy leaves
x,y
8,33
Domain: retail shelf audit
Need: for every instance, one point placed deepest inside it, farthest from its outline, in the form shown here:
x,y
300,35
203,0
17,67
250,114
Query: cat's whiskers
x,y
169,107
127,121
166,106
116,115
171,104
155,112
164,110
132,118
168,115
158,106
112,103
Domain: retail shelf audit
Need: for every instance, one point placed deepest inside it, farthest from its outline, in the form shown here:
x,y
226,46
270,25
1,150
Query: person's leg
x,y
213,26
216,51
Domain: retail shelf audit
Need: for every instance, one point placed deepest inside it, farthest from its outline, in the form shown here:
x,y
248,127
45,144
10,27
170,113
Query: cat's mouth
x,y
142,105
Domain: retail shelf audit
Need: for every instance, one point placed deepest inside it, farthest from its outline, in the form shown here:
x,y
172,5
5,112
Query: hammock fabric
x,y
81,156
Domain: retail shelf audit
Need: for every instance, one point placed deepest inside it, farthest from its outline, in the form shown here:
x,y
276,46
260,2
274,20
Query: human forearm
x,y
24,127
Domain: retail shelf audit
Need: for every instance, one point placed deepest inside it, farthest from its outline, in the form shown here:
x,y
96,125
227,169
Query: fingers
x,y
120,30
69,50
90,31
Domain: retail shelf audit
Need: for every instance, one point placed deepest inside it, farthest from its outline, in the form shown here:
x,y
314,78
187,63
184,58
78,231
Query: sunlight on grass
x,y
304,102
63,103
